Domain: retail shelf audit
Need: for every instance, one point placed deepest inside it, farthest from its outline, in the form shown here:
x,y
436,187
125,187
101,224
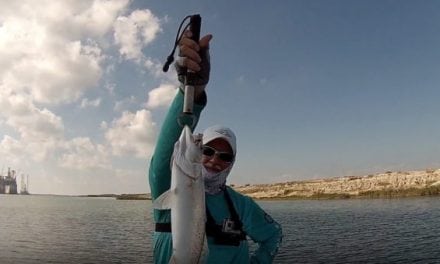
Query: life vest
x,y
230,232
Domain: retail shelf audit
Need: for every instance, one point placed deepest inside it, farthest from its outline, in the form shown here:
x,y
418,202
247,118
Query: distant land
x,y
134,196
381,185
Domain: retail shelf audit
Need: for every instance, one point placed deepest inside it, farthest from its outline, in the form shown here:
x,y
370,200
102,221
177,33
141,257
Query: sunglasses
x,y
224,156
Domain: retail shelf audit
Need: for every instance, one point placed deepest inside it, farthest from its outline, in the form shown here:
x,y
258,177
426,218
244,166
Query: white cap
x,y
222,132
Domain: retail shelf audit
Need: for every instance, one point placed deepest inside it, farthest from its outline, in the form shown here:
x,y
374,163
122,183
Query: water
x,y
51,229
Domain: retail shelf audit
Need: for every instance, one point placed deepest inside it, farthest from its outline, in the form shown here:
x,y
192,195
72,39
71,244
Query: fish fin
x,y
164,200
172,260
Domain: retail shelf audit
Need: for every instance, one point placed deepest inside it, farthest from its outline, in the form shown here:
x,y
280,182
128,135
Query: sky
x,y
312,89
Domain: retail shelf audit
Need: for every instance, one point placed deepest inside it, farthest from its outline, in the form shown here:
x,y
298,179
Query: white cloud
x,y
52,53
110,87
132,134
80,153
161,96
32,123
98,18
39,130
103,125
134,32
43,56
69,19
124,104
155,68
40,150
19,152
93,103
11,150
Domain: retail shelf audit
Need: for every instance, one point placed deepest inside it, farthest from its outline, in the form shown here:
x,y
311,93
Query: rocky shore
x,y
381,185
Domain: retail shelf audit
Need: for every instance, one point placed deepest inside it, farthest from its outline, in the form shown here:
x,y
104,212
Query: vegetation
x,y
330,196
390,193
386,193
390,185
133,197
316,196
99,195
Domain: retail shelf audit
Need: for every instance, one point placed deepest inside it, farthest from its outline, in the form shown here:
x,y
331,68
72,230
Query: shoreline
x,y
381,185
385,194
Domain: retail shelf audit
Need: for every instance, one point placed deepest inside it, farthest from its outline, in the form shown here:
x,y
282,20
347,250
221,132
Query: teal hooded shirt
x,y
257,224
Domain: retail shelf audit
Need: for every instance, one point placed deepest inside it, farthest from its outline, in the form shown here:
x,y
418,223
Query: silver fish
x,y
186,199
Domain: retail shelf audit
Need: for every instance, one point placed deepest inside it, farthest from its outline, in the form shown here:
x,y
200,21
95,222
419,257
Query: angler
x,y
231,218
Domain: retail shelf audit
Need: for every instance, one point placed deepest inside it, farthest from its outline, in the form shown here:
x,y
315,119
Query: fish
x,y
186,199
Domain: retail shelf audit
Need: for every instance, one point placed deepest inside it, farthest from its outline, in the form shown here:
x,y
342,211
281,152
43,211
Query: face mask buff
x,y
215,182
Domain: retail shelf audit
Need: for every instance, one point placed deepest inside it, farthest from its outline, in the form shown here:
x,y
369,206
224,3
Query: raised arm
x,y
160,171
195,57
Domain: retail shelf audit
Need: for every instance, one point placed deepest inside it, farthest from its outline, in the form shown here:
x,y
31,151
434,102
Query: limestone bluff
x,y
382,185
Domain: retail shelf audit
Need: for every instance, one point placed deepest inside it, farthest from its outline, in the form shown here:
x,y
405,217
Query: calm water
x,y
48,229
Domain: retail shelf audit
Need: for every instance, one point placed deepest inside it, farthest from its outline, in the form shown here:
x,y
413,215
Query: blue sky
x,y
313,89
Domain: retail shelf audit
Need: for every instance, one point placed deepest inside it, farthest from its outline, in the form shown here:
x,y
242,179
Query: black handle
x,y
194,26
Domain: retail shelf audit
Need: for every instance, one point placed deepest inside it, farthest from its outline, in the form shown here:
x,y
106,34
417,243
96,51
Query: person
x,y
231,216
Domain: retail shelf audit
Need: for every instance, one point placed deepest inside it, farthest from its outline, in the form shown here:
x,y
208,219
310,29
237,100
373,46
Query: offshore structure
x,y
8,183
24,185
